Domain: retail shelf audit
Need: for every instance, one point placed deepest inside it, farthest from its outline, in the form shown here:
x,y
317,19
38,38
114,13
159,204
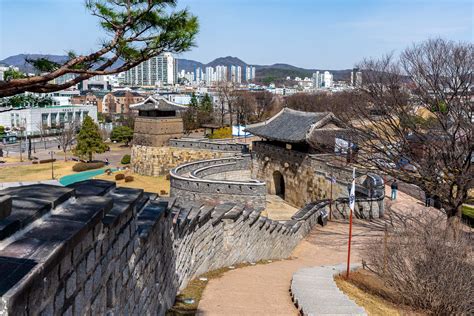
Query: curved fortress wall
x,y
307,178
102,249
188,182
158,161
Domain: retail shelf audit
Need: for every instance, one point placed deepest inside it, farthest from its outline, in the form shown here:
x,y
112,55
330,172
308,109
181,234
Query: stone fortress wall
x,y
94,249
158,161
189,182
307,178
206,144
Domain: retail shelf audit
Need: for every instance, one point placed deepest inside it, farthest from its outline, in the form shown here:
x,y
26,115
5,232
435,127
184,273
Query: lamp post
x,y
52,165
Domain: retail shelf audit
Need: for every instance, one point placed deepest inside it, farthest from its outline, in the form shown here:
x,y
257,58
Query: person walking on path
x,y
394,187
427,199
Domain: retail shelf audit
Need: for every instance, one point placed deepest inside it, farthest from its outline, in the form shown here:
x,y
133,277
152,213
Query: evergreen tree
x,y
194,101
89,141
206,104
122,134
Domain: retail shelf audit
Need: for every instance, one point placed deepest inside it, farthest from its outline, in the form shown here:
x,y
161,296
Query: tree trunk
x,y
90,156
454,221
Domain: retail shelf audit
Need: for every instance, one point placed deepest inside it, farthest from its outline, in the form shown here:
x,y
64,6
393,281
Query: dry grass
x,y
148,184
195,289
369,291
11,159
35,172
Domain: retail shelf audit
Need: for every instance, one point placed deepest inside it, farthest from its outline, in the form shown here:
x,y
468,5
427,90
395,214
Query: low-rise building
x,y
118,102
32,120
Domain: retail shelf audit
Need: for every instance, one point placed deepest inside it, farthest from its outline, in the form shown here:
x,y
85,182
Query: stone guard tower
x,y
158,121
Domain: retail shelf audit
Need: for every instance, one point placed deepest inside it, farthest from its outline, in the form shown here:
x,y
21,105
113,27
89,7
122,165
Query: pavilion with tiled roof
x,y
303,130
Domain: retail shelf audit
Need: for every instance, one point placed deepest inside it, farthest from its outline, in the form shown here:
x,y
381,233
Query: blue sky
x,y
329,34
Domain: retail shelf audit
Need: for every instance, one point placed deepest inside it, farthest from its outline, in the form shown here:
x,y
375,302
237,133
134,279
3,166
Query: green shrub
x,y
119,176
83,166
128,179
125,160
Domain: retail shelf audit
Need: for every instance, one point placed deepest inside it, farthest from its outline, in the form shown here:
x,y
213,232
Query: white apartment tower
x,y
159,70
249,73
327,79
356,77
236,74
221,73
210,76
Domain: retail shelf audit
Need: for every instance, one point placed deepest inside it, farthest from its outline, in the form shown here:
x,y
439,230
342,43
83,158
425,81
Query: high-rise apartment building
x,y
210,76
317,80
236,74
356,77
249,73
327,79
159,70
221,73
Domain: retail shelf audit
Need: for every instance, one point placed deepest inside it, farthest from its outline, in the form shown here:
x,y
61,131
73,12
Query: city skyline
x,y
267,32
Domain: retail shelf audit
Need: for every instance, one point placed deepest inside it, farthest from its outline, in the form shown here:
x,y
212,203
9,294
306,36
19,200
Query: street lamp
x,y
52,165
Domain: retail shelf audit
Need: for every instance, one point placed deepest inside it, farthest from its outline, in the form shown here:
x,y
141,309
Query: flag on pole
x,y
352,207
352,193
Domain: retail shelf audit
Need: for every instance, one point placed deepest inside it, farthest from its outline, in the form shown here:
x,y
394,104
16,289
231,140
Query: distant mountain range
x,y
264,73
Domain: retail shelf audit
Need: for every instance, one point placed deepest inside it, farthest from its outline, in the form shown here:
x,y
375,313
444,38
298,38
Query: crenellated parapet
x,y
190,182
94,248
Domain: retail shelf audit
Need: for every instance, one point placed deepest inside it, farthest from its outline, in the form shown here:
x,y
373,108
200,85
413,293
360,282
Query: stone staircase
x,y
314,292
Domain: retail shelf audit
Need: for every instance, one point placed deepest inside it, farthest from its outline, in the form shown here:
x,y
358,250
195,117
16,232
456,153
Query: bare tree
x,y
265,105
138,30
244,106
66,137
226,95
413,119
423,266
336,103
43,132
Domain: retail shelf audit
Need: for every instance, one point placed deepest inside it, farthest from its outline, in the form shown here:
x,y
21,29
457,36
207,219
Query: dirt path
x,y
263,289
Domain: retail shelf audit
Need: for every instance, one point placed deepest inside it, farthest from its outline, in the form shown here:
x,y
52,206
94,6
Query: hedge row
x,y
83,166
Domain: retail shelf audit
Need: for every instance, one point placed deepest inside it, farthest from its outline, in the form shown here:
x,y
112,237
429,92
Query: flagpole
x,y
351,207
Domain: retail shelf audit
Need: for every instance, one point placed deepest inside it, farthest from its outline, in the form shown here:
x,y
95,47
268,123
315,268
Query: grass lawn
x,y
11,159
35,172
148,184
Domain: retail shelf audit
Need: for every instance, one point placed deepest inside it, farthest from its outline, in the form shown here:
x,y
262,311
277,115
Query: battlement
x,y
94,248
188,181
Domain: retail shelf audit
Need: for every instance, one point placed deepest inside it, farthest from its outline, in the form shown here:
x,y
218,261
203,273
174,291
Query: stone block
x,y
71,284
5,206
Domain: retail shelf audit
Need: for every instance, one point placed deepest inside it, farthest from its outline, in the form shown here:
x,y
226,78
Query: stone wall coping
x,y
209,145
37,250
174,173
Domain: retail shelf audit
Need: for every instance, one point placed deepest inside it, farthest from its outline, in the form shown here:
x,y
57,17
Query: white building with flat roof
x,y
33,119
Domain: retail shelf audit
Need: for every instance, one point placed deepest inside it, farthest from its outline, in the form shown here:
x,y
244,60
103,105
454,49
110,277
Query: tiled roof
x,y
160,104
288,126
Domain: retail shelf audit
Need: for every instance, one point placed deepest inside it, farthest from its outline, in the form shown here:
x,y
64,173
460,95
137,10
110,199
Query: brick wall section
x,y
188,182
121,251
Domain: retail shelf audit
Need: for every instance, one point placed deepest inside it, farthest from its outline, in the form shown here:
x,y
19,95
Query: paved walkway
x,y
263,289
315,292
